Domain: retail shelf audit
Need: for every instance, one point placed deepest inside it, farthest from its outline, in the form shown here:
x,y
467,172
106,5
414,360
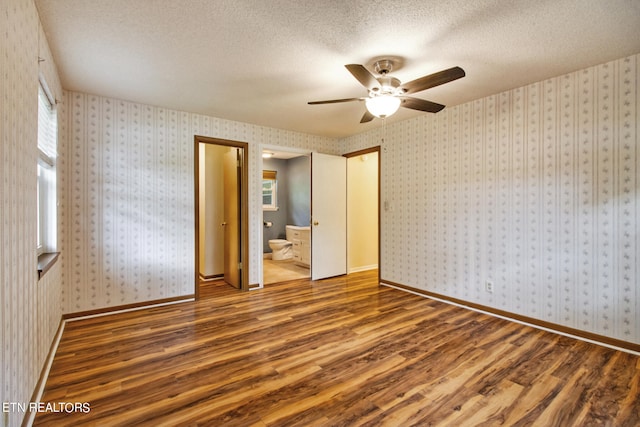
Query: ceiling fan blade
x,y
420,104
433,80
363,75
335,101
367,117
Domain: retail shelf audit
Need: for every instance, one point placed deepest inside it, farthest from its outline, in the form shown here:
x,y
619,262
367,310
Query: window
x,y
46,178
269,191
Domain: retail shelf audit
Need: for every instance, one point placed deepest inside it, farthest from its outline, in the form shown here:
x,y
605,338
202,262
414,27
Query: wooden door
x,y
232,232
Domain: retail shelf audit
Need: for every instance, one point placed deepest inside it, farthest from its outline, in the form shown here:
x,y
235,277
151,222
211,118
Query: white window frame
x,y
46,172
269,178
273,192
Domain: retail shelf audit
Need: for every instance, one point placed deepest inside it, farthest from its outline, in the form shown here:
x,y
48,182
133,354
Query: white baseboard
x,y
363,268
37,396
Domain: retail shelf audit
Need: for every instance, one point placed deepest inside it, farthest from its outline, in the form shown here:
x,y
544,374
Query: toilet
x,y
280,249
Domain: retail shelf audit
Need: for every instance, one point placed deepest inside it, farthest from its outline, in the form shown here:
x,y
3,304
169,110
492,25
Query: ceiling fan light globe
x,y
382,106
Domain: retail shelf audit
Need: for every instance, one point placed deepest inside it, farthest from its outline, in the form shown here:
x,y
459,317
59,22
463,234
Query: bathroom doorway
x,y
286,214
221,195
362,235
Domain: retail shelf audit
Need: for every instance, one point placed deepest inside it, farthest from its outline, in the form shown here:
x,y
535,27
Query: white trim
x,y
45,160
626,350
47,369
125,310
363,268
47,91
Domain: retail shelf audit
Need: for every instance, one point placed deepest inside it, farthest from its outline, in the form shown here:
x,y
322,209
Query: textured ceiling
x,y
260,61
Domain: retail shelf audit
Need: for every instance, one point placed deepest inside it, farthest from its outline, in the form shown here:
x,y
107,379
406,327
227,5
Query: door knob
x,y
315,223
223,224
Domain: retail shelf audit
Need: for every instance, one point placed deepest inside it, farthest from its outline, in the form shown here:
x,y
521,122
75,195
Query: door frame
x,y
369,150
244,207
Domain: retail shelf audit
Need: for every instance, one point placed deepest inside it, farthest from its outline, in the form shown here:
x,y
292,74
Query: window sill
x,y
46,261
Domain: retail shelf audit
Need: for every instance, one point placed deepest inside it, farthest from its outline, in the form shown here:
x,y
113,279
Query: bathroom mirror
x,y
269,191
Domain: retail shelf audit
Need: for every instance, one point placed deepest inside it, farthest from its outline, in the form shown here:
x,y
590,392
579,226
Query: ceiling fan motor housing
x,y
388,86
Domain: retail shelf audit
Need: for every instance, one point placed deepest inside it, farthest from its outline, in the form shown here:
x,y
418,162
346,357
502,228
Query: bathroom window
x,y
269,191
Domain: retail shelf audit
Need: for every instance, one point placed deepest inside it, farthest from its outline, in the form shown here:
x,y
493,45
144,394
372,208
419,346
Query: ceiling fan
x,y
387,94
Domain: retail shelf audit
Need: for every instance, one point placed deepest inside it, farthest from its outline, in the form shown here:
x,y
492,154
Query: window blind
x,y
47,128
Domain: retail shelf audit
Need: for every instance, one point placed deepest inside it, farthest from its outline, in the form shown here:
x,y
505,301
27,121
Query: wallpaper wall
x,y
30,310
131,198
536,189
299,194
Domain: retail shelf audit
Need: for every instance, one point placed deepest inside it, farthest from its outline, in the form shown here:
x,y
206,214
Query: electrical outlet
x,y
488,286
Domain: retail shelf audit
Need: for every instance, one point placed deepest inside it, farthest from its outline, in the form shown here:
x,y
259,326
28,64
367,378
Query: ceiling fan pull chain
x,y
384,130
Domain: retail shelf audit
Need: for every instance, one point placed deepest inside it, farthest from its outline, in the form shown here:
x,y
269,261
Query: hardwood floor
x,y
338,352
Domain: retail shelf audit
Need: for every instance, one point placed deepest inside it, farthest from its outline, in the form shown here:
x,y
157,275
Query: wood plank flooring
x,y
339,352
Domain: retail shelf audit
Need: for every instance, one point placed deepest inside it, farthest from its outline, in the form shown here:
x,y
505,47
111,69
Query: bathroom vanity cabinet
x,y
300,237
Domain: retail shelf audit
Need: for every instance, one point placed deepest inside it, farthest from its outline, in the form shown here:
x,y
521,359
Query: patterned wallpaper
x,y
30,309
131,197
536,189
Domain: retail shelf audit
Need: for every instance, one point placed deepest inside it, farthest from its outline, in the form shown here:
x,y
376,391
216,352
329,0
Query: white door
x,y
328,216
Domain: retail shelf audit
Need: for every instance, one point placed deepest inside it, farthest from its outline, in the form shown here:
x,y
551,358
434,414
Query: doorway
x,y
221,212
363,210
336,247
286,214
